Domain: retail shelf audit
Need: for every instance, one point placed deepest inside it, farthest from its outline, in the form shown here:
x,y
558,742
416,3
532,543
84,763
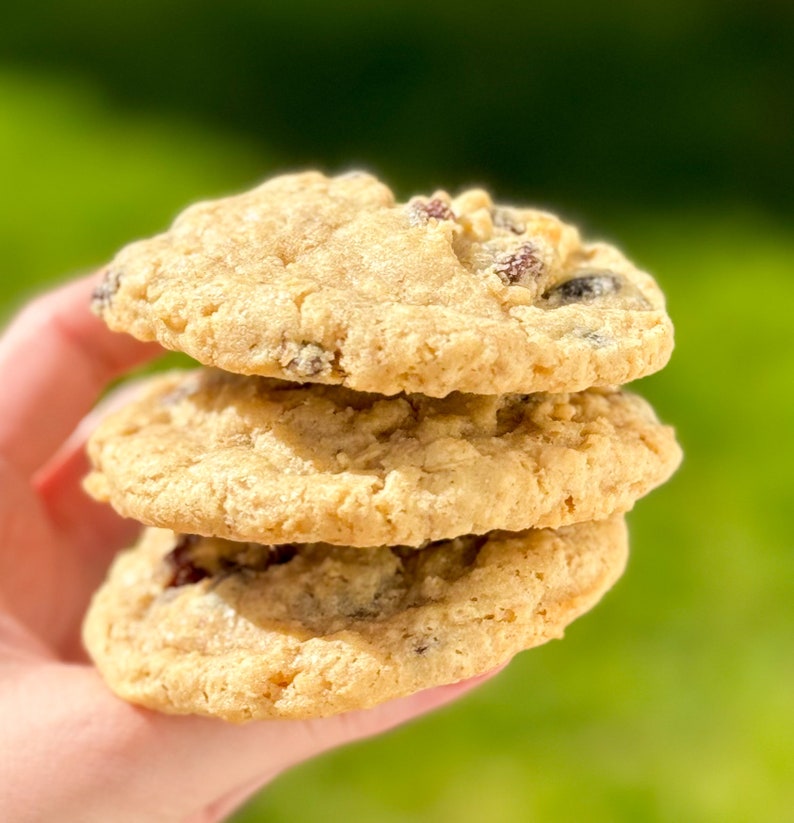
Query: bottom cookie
x,y
241,631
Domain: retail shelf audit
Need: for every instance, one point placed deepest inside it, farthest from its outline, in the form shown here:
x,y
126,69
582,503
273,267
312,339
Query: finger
x,y
129,764
89,533
45,587
18,644
91,529
58,357
229,803
29,589
265,749
329,733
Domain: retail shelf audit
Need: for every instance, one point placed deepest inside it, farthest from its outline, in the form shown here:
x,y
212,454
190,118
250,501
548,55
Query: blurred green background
x,y
667,127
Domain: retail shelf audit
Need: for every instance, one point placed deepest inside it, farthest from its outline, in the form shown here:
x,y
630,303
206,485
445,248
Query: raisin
x,y
183,570
310,360
584,288
246,557
434,209
102,295
521,267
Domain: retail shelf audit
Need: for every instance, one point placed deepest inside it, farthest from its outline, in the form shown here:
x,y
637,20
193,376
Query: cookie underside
x,y
332,629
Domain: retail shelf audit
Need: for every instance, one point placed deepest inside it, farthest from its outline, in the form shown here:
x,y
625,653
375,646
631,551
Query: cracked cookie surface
x,y
329,629
329,280
251,458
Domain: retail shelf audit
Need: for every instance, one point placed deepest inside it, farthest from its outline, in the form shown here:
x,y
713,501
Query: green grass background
x,y
672,701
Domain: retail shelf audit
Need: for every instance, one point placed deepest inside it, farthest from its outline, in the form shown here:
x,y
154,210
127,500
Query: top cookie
x,y
329,280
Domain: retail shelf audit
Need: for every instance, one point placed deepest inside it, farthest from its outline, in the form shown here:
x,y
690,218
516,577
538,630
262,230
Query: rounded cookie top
x,y
250,458
241,631
329,280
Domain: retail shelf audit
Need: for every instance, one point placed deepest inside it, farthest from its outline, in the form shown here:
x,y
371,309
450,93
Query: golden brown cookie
x,y
329,280
242,631
250,458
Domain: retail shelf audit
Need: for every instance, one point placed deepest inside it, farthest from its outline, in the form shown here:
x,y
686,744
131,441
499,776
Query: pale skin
x,y
70,751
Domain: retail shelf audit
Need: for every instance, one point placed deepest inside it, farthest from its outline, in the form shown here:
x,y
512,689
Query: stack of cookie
x,y
405,460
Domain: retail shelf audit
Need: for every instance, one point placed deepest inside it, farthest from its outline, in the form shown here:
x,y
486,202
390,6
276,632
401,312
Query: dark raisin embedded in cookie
x,y
195,558
183,569
102,296
310,360
434,209
520,267
584,288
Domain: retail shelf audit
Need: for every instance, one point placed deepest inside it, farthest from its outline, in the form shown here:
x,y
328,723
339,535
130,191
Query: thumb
x,y
103,759
310,738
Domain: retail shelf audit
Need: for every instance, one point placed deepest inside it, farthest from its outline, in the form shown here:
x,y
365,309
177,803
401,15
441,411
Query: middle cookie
x,y
258,459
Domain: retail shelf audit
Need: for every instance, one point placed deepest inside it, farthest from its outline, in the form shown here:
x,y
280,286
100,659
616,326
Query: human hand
x,y
70,751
